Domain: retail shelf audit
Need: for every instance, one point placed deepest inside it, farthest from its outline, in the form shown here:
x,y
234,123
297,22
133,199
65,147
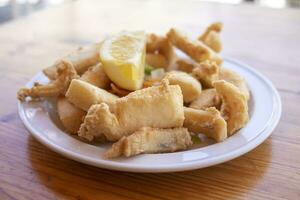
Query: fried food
x,y
234,107
96,76
195,49
190,87
209,122
217,27
208,98
156,60
158,107
151,140
131,89
99,122
70,116
211,36
65,73
161,46
83,95
81,59
118,91
151,82
185,65
206,72
237,80
213,40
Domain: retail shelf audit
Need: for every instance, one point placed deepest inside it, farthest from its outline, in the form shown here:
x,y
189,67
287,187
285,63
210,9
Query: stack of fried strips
x,y
196,95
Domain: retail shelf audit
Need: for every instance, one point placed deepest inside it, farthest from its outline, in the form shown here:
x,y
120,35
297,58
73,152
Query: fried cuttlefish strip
x,y
234,107
195,49
65,74
156,60
160,51
157,106
208,98
206,72
208,122
119,91
81,59
70,116
96,76
190,87
186,65
83,95
236,79
151,140
211,36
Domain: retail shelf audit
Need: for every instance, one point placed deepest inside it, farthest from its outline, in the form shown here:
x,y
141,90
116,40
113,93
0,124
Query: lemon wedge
x,y
123,59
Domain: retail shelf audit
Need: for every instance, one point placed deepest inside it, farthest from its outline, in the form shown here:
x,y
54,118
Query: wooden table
x,y
264,38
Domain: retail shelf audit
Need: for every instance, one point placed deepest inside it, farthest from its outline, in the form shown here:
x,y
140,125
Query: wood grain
x,y
264,38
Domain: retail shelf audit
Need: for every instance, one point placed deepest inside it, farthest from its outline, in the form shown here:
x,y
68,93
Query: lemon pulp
x,y
123,59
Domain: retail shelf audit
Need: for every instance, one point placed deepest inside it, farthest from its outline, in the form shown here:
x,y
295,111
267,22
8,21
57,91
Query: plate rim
x,y
195,164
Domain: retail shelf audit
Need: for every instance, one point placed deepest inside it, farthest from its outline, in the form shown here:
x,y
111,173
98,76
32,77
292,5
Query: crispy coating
x,y
206,72
217,27
158,107
83,95
208,98
119,91
70,116
236,79
234,106
156,60
151,82
195,49
213,40
186,65
211,36
81,59
65,73
209,122
99,122
160,45
151,140
190,87
96,76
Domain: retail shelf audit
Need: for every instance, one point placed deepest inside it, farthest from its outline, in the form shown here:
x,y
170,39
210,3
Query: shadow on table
x,y
65,177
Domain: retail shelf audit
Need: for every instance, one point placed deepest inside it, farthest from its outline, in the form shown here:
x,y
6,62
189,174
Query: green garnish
x,y
148,69
195,139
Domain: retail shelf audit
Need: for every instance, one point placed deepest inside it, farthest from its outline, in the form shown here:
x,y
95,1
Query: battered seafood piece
x,y
211,36
70,116
195,49
186,65
65,73
96,76
217,27
156,60
157,106
98,123
209,122
206,72
118,91
190,87
151,140
84,95
161,46
81,59
236,79
213,40
208,98
234,107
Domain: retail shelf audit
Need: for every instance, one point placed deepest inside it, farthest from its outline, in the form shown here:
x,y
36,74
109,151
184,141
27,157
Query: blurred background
x,y
13,9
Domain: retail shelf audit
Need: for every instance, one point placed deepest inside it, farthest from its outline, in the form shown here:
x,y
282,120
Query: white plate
x,y
264,109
